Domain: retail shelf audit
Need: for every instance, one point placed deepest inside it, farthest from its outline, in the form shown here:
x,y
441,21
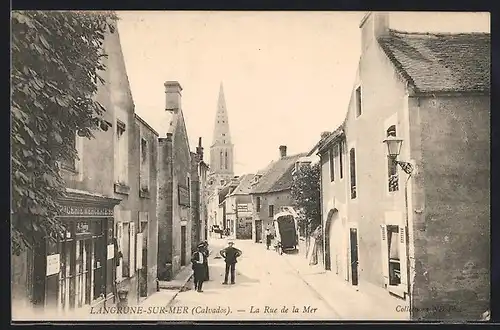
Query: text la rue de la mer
x,y
283,310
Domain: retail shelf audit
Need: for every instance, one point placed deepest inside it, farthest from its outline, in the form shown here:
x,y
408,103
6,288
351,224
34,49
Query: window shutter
x,y
119,239
139,250
403,258
384,253
132,249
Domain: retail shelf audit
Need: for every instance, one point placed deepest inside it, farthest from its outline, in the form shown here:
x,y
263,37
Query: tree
x,y
56,60
306,195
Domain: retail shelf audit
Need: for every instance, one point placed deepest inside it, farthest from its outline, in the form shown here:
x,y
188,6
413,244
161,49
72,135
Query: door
x,y
143,279
183,245
354,255
258,231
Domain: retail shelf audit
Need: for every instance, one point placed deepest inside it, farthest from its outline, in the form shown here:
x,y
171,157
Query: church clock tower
x,y
221,150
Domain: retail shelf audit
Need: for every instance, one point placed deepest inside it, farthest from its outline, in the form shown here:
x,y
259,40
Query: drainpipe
x,y
407,234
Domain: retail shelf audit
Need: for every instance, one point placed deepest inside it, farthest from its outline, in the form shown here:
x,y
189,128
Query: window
x,y
358,101
341,160
225,159
271,210
258,204
223,134
392,168
332,165
121,153
70,163
128,250
119,240
144,165
394,255
352,156
221,160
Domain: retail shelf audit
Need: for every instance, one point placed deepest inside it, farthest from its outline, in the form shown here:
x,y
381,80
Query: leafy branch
x,y
306,195
56,60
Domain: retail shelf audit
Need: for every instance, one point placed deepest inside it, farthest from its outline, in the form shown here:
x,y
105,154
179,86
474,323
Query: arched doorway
x,y
333,215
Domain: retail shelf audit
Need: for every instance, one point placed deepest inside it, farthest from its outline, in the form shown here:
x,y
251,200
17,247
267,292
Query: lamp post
x,y
393,149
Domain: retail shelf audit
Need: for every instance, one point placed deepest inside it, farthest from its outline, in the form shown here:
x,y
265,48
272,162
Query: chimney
x,y
373,25
172,95
199,149
282,151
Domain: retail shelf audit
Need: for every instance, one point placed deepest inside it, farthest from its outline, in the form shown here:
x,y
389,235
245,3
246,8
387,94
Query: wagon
x,y
285,226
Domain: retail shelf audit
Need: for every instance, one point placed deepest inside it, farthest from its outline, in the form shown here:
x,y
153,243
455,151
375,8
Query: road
x,y
267,288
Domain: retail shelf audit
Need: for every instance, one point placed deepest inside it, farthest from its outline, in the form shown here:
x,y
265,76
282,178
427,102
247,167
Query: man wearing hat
x,y
198,260
206,253
230,255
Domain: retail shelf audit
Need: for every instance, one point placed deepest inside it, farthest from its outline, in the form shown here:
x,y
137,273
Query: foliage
x,y
306,195
56,60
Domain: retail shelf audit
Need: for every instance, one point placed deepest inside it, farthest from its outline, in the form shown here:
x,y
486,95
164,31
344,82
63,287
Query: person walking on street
x,y
230,255
198,260
206,254
269,237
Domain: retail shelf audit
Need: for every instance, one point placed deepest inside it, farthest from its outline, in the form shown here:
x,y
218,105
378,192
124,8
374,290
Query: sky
x,y
287,76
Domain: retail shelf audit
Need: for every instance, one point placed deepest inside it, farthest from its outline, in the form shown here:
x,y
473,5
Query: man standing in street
x,y
230,255
198,260
206,254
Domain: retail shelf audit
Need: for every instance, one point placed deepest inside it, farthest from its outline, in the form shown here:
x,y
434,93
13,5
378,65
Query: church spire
x,y
221,151
221,125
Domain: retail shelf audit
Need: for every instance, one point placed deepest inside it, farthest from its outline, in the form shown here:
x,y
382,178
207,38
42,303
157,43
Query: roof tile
x,y
441,62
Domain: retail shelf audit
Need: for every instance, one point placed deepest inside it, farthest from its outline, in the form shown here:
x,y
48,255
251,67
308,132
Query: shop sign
x,y
82,227
86,211
53,264
111,251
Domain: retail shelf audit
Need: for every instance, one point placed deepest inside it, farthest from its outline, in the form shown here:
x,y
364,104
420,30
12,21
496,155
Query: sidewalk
x,y
367,303
170,289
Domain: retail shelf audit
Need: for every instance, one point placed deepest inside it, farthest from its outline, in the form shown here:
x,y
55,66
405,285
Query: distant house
x,y
239,208
199,171
424,238
271,190
227,209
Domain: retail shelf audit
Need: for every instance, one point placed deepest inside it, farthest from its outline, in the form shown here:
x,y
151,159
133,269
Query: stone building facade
x,y
174,186
271,190
199,169
422,237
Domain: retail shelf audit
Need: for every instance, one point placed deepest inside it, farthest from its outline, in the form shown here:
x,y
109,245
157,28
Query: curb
x,y
316,292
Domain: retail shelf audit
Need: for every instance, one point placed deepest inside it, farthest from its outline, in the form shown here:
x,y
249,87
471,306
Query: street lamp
x,y
393,149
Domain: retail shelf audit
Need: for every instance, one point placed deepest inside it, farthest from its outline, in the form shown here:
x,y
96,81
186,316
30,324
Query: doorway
x,y
353,235
143,272
183,245
258,231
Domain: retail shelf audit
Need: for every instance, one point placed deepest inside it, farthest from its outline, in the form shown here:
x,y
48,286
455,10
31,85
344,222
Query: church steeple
x,y
221,151
221,125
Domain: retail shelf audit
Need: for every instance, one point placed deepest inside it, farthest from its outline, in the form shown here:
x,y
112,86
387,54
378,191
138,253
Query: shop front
x,y
80,265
